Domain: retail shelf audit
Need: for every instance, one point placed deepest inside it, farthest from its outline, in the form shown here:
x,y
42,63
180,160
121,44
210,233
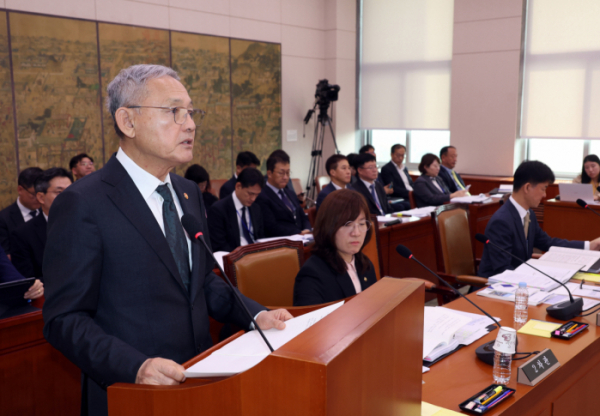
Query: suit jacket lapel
x,y
40,228
275,197
231,213
16,216
410,181
126,196
346,285
519,227
360,183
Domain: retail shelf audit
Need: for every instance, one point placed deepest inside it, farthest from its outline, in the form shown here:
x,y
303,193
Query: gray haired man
x,y
128,293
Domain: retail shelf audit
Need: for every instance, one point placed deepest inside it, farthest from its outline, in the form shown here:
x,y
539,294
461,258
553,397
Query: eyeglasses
x,y
86,164
180,113
363,226
287,173
368,168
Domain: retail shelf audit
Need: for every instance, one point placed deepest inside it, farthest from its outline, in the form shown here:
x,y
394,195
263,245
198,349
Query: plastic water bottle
x,y
502,363
521,302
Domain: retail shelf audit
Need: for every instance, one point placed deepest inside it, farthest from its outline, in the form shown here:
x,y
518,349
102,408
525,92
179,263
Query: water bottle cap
x,y
522,284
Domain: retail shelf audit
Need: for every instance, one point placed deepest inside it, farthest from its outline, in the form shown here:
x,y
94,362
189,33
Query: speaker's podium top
x,y
365,358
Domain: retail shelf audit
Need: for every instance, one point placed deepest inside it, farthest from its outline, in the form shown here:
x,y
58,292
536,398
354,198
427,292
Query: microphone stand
x,y
585,205
563,311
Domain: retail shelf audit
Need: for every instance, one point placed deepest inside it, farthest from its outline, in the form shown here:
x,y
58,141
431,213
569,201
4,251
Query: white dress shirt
x,y
238,210
147,184
25,212
522,212
403,176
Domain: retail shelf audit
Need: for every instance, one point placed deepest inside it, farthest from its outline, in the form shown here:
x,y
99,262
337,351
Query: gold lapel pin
x,y
365,279
185,196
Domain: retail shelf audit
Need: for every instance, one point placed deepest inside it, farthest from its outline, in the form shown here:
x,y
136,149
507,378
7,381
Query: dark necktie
x,y
174,234
246,228
375,198
287,201
33,214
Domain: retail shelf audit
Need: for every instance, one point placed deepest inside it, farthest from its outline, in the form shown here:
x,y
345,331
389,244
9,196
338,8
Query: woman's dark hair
x,y
426,161
338,208
585,178
198,174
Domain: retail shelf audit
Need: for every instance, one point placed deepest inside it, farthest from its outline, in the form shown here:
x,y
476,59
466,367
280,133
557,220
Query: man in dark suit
x,y
395,172
514,226
236,220
368,186
282,214
338,169
29,240
244,160
25,208
453,181
81,165
128,293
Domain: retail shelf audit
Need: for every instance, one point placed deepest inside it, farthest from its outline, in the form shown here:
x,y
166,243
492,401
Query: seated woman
x,y
590,173
337,268
199,175
429,190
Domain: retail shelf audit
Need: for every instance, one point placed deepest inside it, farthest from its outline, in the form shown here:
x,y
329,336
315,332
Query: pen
x,y
578,330
571,327
488,394
489,399
506,393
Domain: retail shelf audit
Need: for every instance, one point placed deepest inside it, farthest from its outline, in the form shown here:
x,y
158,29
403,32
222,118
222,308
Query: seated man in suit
x,y
25,208
244,160
451,178
282,214
236,220
368,186
29,240
395,172
429,189
81,165
338,169
514,226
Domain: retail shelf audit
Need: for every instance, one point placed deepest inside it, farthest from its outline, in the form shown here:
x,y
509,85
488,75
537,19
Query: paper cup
x,y
506,340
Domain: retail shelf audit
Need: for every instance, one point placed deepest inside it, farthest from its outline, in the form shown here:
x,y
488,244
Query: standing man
x,y
395,172
281,211
514,226
236,220
25,208
368,186
244,160
81,165
128,293
29,240
449,157
339,171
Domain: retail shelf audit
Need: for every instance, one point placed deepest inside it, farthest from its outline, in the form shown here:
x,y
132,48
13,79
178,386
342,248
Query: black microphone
x,y
485,352
192,226
584,204
564,310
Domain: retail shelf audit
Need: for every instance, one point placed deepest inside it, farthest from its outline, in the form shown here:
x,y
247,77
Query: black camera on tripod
x,y
326,92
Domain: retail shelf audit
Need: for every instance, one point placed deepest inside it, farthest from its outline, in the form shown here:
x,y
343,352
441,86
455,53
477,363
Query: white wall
x,y
317,40
485,84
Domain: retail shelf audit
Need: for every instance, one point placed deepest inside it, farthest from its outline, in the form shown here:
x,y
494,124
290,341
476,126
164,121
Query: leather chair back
x,y
215,186
312,215
453,240
371,250
266,272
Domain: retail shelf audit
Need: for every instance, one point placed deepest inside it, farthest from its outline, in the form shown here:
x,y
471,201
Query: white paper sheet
x,y
481,198
586,258
307,238
420,212
588,291
250,349
587,303
219,256
440,325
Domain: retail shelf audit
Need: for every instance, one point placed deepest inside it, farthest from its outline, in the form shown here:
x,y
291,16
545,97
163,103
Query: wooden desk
x,y
35,378
568,220
569,390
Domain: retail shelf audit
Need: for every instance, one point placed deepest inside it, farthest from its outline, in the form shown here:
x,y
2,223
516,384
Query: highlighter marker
x,y
489,399
489,394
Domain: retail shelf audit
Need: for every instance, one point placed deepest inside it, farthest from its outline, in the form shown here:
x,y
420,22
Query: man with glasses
x,y
29,240
25,208
81,165
128,292
281,211
368,186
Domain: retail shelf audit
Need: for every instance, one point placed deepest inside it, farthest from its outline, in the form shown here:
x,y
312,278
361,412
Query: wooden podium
x,y
363,359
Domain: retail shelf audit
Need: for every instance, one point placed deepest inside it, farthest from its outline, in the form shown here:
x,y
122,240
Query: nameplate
x,y
537,368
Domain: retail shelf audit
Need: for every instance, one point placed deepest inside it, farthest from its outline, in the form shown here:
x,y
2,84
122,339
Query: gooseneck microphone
x,y
585,205
563,311
485,352
192,226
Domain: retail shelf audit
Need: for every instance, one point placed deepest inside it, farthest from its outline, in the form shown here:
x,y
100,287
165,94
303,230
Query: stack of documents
x,y
383,219
420,212
474,199
588,259
306,238
446,329
250,349
562,272
588,291
506,291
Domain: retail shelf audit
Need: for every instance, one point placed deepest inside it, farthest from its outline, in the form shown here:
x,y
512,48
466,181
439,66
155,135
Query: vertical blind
x,y
405,65
561,79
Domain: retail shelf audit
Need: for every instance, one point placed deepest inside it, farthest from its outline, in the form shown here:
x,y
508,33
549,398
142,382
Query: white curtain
x,y
561,80
405,67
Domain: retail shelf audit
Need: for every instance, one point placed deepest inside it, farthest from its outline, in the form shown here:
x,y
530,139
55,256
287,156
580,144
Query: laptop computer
x,y
571,192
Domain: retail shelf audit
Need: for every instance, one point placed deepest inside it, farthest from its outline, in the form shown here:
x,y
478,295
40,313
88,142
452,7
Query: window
x,y
417,142
427,141
564,156
383,140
